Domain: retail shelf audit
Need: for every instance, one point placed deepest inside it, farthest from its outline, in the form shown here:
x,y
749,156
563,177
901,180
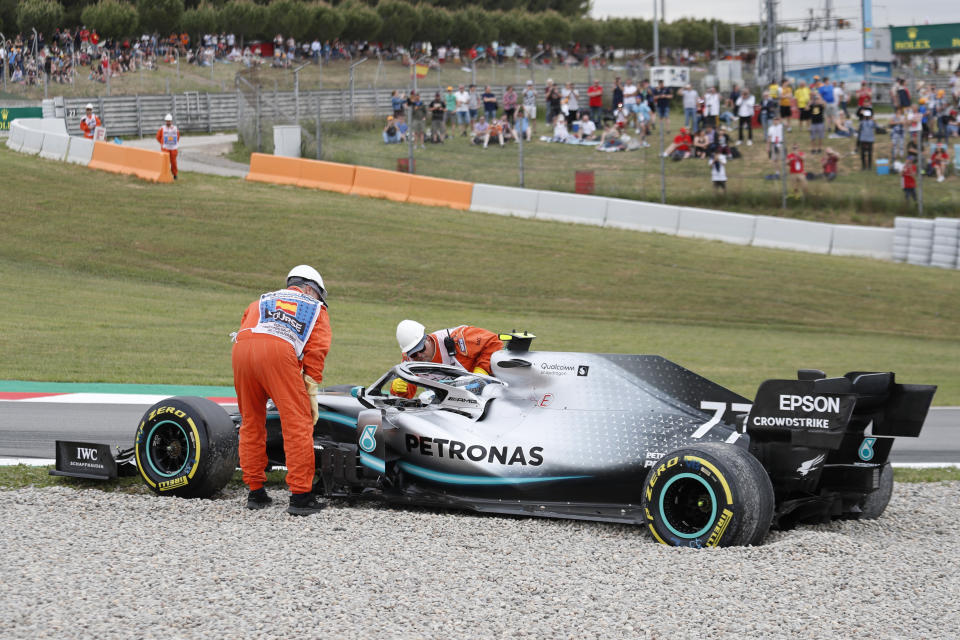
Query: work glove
x,y
402,389
312,387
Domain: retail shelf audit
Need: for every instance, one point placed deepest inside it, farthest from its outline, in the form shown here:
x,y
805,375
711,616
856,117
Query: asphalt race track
x,y
29,430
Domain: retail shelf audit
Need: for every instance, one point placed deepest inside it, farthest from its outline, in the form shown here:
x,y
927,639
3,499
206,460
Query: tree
x,y
243,18
435,24
361,22
43,15
203,19
556,28
162,16
464,31
111,18
401,21
584,31
290,18
327,23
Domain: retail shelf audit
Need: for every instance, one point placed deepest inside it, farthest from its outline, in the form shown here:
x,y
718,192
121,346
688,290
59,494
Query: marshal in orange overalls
x,y
266,366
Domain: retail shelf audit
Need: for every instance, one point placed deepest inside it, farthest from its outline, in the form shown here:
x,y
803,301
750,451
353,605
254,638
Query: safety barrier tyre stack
x,y
946,237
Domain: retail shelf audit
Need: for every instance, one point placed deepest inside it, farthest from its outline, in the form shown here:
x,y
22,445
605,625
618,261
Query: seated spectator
x,y
680,147
610,139
402,127
496,130
587,130
939,161
506,129
481,131
700,144
830,162
560,131
391,135
842,127
723,144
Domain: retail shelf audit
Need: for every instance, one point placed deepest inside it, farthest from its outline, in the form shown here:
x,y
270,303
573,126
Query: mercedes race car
x,y
617,438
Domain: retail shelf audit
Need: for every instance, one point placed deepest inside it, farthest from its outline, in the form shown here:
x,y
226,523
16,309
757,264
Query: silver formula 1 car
x,y
617,438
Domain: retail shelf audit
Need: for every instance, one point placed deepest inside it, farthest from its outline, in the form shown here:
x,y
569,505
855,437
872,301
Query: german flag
x,y
287,306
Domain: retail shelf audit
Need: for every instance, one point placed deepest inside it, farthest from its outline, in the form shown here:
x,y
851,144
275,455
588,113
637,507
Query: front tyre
x,y
708,495
186,447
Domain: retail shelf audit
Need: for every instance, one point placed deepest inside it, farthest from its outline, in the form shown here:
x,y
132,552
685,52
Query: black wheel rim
x,y
688,505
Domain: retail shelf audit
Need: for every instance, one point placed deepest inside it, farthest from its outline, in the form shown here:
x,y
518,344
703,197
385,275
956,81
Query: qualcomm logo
x,y
809,465
368,441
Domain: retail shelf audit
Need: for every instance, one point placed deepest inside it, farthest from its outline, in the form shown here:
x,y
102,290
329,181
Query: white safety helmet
x,y
168,118
410,335
89,106
303,273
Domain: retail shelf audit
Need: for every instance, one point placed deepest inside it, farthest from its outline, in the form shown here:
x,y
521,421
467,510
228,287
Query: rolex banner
x,y
925,37
9,114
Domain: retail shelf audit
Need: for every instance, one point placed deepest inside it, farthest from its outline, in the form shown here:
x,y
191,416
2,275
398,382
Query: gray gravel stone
x,y
89,564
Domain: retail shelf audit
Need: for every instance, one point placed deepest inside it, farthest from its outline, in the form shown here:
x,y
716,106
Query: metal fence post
x,y
209,116
259,136
240,124
139,118
920,175
663,165
319,134
783,173
410,137
520,135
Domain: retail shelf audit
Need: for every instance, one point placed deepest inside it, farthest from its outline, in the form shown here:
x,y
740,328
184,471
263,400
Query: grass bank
x,y
110,279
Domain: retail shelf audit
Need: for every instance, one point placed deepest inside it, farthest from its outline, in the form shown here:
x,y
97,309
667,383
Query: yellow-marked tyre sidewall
x,y
709,495
185,447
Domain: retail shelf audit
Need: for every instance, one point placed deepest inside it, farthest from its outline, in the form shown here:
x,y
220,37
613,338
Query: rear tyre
x,y
186,447
708,495
876,502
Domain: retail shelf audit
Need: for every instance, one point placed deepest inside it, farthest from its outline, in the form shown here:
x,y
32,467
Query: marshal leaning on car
x,y
463,346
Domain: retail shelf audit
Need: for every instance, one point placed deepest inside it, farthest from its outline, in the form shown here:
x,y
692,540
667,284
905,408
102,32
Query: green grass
x,y
111,279
23,476
855,197
336,75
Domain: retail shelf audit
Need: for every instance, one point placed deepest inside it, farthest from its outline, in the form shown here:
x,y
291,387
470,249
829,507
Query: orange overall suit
x,y
266,365
169,138
471,348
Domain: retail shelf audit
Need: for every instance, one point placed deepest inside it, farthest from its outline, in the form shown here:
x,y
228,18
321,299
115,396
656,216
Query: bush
x,y
243,18
360,21
401,21
327,23
290,18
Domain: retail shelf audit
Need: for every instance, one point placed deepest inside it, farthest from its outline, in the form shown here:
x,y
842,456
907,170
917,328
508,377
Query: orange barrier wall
x,y
438,192
330,176
274,169
380,183
109,157
360,181
149,165
143,163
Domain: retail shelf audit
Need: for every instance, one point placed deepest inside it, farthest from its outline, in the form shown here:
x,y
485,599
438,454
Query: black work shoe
x,y
258,499
305,504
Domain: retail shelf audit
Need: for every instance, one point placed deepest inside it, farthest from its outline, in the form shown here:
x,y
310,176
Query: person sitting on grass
x,y
587,130
481,131
523,127
391,135
700,144
610,139
830,162
680,147
506,129
560,131
496,130
842,127
939,161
